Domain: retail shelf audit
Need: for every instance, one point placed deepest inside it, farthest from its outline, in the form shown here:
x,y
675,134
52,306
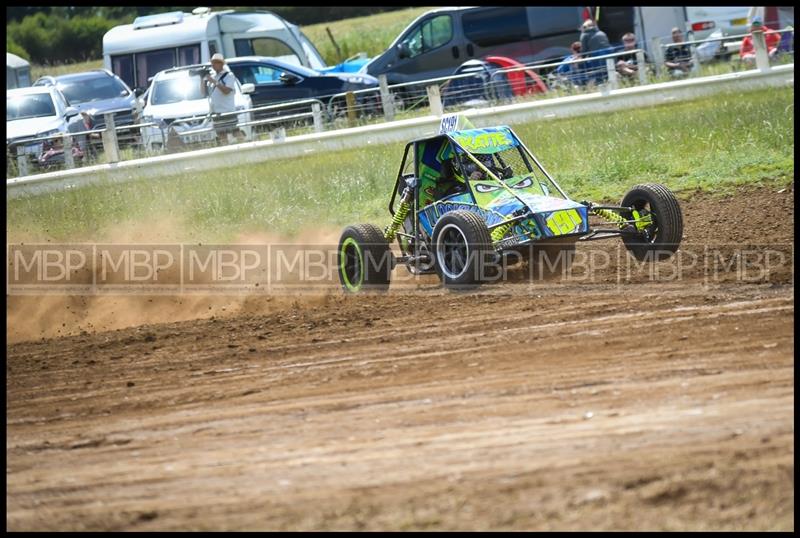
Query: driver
x,y
449,181
475,172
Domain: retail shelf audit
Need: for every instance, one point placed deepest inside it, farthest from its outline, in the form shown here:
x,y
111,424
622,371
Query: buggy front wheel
x,y
462,250
659,225
365,261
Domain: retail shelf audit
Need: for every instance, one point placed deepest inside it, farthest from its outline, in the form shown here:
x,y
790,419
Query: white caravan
x,y
18,72
136,52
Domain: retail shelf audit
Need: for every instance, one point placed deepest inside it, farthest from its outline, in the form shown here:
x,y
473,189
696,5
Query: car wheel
x,y
660,238
365,261
462,250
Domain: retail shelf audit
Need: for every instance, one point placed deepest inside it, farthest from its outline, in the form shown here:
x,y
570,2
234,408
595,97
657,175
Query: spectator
x,y
627,65
221,92
574,73
594,42
81,124
787,41
53,149
593,39
678,58
747,52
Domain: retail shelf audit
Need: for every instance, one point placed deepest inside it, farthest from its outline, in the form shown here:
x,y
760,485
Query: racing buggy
x,y
467,199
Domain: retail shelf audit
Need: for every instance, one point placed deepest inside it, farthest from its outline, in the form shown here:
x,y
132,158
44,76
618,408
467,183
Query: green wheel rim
x,y
351,264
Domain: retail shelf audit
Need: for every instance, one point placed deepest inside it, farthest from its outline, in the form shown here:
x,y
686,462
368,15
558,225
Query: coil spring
x,y
610,215
397,220
500,231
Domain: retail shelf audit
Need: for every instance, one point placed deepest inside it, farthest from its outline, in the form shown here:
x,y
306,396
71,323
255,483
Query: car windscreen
x,y
92,89
515,168
177,89
22,107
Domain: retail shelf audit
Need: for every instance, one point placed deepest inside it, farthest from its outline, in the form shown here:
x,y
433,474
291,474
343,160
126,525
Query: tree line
x,y
65,34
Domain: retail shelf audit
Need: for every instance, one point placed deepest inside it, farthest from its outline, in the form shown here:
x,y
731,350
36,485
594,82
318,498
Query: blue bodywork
x,y
348,66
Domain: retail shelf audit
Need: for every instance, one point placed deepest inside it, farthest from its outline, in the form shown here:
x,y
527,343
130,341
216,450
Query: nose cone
x,y
556,216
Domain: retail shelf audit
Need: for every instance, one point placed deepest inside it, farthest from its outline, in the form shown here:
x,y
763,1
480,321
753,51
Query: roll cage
x,y
461,147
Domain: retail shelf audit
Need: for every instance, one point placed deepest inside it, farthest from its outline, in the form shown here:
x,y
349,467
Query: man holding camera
x,y
220,88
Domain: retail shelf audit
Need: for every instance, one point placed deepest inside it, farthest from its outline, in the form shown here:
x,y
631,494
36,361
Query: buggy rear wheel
x,y
365,261
660,238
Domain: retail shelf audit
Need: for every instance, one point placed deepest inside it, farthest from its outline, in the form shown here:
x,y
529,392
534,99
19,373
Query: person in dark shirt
x,y
594,43
627,65
592,38
678,58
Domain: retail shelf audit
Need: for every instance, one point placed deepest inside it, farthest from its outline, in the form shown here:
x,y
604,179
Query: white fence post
x,y
110,146
435,100
762,56
22,161
658,54
316,110
611,68
69,162
641,67
386,98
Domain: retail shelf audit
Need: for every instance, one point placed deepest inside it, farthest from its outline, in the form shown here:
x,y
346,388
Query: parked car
x,y
174,101
715,23
469,91
277,81
522,81
97,93
35,112
353,64
440,40
490,82
729,21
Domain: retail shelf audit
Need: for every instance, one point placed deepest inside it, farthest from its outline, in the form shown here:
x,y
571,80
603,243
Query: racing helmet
x,y
470,167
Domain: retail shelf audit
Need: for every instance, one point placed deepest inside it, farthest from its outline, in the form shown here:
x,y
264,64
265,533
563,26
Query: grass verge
x,y
713,144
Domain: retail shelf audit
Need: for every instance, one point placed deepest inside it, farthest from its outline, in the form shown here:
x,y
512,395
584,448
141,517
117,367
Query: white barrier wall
x,y
156,168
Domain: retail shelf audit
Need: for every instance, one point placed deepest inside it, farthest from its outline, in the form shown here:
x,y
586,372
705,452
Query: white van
x,y
136,52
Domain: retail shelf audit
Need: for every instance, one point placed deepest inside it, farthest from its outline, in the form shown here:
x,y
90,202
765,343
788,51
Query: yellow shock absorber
x,y
610,215
397,220
500,231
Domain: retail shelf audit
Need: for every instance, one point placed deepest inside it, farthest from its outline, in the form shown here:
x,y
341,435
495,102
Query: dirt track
x,y
641,406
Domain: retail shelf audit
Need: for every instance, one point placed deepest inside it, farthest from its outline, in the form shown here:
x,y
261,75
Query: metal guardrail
x,y
724,38
355,108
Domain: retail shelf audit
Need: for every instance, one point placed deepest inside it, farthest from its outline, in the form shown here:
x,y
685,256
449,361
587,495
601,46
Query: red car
x,y
522,82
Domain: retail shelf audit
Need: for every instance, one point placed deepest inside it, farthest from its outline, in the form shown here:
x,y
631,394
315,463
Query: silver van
x,y
439,41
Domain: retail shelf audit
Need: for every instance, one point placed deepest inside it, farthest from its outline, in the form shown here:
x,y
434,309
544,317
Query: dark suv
x,y
97,92
440,40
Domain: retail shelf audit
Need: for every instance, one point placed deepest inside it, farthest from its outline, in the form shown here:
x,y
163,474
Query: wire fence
x,y
476,85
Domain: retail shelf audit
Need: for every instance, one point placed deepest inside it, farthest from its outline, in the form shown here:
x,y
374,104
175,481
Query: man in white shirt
x,y
221,91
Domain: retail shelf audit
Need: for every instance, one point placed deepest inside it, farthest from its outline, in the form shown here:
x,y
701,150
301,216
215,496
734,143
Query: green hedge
x,y
50,39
